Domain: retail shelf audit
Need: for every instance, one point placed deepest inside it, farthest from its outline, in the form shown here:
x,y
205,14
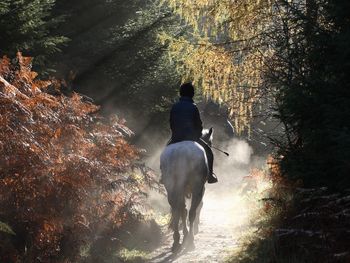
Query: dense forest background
x,y
111,52
107,50
271,72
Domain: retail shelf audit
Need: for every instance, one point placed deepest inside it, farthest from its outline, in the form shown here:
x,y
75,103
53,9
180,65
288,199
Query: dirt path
x,y
223,219
225,214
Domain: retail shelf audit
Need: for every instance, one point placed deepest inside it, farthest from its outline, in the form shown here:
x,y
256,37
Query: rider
x,y
186,124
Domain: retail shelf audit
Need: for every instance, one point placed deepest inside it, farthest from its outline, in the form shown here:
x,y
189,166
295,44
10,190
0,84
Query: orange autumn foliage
x,y
66,173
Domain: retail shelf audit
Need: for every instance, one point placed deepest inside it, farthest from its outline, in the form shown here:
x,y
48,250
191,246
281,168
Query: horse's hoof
x,y
190,246
189,243
176,248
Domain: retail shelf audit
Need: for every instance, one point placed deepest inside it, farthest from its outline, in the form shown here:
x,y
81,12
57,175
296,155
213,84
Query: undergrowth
x,y
69,180
296,224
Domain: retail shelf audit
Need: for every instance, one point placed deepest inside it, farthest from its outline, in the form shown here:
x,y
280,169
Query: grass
x,y
270,197
134,256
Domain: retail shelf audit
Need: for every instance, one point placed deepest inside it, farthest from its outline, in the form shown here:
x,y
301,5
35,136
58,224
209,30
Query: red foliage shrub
x,y
66,174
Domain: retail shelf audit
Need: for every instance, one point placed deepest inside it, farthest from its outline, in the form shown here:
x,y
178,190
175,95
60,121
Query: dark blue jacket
x,y
185,122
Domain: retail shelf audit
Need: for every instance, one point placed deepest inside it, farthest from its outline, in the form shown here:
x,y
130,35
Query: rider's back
x,y
185,122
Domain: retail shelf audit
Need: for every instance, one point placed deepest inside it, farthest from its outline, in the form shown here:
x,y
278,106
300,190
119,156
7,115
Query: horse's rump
x,y
182,164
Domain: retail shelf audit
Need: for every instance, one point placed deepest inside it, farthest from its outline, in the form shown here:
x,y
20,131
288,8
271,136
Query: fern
x,y
66,173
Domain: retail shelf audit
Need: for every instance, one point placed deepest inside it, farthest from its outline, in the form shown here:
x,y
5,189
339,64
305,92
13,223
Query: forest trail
x,y
224,217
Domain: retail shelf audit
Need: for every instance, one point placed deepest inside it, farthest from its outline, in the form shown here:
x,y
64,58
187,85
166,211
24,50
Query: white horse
x,y
184,170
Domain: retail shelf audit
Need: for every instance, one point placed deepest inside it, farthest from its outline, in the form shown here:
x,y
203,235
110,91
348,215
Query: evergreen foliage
x,y
26,26
113,55
309,73
117,59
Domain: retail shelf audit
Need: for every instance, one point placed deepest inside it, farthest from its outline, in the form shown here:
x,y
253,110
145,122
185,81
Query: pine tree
x,y
310,68
26,26
118,60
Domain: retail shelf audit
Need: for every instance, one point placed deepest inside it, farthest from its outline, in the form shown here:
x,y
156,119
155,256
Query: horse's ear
x,y
211,131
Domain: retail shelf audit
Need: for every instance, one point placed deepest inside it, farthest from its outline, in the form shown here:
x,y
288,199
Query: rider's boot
x,y
212,179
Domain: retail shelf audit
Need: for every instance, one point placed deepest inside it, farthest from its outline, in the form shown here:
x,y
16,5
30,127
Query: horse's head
x,y
207,135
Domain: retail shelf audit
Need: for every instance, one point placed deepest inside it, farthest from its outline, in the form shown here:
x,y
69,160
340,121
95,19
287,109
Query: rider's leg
x,y
210,157
211,178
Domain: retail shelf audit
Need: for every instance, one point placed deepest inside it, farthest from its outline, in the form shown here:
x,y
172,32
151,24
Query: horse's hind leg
x,y
176,201
198,213
196,200
184,222
175,226
197,219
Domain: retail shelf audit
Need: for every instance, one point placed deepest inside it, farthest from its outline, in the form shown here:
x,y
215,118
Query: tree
x,y
26,25
310,63
118,61
293,54
224,52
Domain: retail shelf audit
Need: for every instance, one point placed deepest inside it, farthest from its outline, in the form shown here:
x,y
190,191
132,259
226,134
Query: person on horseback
x,y
186,124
